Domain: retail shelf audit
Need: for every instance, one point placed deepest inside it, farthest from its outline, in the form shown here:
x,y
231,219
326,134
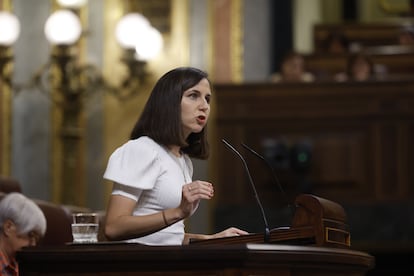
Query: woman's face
x,y
18,241
293,69
361,70
195,107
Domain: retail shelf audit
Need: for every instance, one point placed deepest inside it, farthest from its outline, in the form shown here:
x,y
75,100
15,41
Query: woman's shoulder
x,y
142,146
135,163
147,146
143,142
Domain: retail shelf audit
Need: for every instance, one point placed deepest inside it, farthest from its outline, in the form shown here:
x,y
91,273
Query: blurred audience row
x,y
359,68
359,62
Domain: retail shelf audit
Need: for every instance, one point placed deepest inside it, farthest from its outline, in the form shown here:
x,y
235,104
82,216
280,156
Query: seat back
x,y
59,223
8,185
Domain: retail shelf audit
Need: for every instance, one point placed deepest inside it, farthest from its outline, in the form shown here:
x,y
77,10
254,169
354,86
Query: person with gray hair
x,y
22,223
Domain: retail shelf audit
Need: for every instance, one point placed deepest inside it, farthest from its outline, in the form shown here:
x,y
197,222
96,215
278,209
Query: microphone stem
x,y
267,230
290,206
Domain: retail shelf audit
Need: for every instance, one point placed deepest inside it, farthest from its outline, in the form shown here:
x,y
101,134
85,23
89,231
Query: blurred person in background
x,y
22,224
292,69
359,68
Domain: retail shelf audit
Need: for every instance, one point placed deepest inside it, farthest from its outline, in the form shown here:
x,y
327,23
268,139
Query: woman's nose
x,y
204,105
32,242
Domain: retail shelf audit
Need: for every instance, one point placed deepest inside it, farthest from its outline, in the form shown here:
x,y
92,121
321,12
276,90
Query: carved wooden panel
x,y
366,34
325,65
358,138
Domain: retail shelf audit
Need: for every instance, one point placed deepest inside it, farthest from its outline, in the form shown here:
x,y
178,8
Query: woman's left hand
x,y
229,232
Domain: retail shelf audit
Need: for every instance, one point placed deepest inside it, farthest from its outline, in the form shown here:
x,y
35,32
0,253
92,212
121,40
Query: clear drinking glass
x,y
85,227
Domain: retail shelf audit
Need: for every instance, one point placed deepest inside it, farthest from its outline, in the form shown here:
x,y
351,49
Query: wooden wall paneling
x,y
232,189
367,34
403,159
339,161
353,129
410,161
325,65
389,170
361,153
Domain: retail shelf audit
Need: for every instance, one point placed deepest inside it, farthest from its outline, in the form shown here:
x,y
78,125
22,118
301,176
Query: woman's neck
x,y
176,150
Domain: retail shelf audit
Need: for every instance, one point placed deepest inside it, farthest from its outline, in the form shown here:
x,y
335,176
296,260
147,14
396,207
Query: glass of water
x,y
85,227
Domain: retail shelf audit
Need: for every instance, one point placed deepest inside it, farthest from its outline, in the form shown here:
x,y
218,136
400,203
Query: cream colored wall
x,y
331,11
306,13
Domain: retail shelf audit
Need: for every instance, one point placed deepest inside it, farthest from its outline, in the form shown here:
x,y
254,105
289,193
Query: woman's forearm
x,y
129,226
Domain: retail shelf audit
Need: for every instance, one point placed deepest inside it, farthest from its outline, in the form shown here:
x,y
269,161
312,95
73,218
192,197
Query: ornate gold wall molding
x,y
226,19
68,149
5,128
114,124
5,114
236,42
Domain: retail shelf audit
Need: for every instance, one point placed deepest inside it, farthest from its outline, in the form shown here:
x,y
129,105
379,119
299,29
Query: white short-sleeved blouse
x,y
148,173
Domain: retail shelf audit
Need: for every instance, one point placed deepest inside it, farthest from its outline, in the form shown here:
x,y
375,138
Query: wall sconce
x,y
10,30
141,42
67,82
134,33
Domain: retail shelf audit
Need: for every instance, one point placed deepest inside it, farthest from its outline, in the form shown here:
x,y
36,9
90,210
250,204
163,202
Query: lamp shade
x,y
130,29
72,3
9,28
63,27
149,45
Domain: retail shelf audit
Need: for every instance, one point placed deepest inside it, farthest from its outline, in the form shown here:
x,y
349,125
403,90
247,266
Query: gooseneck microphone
x,y
275,179
267,230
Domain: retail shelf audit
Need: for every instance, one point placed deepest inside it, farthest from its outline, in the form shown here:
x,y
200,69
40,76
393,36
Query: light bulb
x,y
63,27
130,30
10,28
149,45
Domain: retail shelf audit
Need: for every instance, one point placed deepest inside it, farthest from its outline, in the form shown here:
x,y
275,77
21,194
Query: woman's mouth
x,y
201,119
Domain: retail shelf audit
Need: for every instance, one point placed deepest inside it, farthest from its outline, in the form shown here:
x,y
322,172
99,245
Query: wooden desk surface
x,y
241,259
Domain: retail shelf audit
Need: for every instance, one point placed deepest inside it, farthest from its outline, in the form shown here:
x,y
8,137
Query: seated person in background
x,y
336,43
292,69
359,68
406,36
22,223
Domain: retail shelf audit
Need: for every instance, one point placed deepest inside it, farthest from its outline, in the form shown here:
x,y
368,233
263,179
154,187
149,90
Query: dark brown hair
x,y
161,117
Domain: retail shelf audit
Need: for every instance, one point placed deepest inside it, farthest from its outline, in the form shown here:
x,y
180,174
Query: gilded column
x,y
5,105
68,124
227,40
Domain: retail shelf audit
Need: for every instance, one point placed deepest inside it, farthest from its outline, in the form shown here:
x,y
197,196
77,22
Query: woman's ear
x,y
9,227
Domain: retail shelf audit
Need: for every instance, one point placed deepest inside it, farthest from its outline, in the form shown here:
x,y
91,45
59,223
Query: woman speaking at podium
x,y
153,191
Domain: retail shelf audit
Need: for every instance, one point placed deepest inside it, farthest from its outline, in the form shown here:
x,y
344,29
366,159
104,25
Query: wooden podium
x,y
237,259
317,243
317,221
